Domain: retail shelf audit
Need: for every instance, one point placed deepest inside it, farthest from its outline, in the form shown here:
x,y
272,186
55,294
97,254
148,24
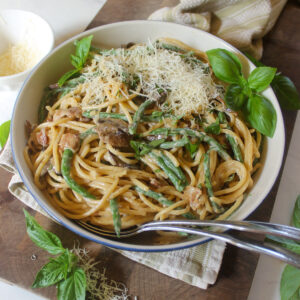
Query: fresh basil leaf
x,y
283,87
213,128
296,214
261,77
4,133
286,92
66,76
78,60
225,65
290,283
73,287
234,97
42,238
82,51
261,115
55,270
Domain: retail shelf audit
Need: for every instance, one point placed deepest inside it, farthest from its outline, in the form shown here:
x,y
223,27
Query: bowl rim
x,y
52,42
113,243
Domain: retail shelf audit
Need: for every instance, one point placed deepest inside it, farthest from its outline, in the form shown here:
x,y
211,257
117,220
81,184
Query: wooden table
x,y
282,48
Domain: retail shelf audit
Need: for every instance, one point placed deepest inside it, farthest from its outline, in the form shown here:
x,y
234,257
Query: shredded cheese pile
x,y
17,59
188,86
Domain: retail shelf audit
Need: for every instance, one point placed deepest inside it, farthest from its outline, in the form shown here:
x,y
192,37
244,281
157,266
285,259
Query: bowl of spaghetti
x,y
136,129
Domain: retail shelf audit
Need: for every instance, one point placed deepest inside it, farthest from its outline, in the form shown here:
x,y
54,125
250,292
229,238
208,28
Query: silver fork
x,y
211,227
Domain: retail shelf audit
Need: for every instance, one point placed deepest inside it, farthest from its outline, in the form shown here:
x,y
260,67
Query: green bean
x,y
231,140
142,148
103,115
179,185
171,47
163,200
154,117
113,203
156,143
189,56
235,148
157,196
88,132
177,170
113,116
208,185
206,165
175,144
214,145
138,115
87,114
66,170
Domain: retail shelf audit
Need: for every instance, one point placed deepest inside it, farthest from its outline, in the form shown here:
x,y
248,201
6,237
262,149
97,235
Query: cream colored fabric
x,y
198,266
242,23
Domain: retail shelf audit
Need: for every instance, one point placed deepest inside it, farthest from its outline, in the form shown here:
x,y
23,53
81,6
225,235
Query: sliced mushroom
x,y
113,132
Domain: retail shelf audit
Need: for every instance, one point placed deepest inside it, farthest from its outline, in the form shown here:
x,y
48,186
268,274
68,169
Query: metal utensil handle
x,y
249,226
268,249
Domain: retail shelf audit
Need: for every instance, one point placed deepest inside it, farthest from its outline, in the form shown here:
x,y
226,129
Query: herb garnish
x,y
61,270
283,87
78,60
244,95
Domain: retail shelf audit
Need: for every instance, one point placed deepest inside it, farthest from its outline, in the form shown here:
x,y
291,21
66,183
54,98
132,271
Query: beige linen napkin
x,y
242,23
198,266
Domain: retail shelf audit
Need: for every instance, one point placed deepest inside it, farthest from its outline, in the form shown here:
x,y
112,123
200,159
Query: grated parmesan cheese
x,y
17,59
188,86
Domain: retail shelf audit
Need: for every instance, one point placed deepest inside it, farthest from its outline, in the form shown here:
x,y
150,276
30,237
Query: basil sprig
x,y
62,270
290,278
78,60
283,87
244,95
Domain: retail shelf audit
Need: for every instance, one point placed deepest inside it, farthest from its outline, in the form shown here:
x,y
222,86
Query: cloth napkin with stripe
x,y
241,23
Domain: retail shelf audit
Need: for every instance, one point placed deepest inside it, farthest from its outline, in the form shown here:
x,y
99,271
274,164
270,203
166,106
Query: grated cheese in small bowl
x,y
18,58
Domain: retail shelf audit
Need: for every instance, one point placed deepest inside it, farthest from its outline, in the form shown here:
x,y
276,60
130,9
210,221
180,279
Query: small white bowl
x,y
57,63
17,27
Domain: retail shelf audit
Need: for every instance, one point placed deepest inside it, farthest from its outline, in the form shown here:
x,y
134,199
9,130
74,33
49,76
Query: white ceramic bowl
x,y
115,35
18,27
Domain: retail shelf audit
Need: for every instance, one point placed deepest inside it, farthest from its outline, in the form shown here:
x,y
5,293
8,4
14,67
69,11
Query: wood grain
x,y
282,48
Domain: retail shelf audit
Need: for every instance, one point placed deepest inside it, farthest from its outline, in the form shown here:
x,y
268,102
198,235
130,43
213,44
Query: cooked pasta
x,y
142,133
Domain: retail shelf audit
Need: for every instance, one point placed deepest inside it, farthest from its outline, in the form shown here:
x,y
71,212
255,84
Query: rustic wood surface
x,y
282,48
